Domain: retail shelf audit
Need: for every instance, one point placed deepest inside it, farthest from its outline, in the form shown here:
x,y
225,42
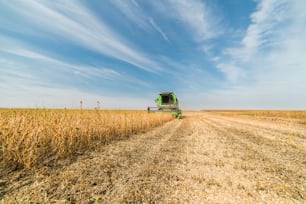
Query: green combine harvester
x,y
167,102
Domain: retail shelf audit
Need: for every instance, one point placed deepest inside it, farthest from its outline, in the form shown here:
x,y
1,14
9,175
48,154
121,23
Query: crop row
x,y
30,138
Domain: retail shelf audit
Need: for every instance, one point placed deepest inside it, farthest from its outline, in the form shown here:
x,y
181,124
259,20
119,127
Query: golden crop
x,y
32,137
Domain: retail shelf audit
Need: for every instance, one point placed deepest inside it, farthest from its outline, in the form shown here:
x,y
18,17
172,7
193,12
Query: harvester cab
x,y
167,102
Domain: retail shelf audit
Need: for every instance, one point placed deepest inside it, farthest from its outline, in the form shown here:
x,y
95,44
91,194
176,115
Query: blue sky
x,y
214,54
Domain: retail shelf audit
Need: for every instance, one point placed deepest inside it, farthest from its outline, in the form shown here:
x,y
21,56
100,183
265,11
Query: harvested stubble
x,y
33,137
288,114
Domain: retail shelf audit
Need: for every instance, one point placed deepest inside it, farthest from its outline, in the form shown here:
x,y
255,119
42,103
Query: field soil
x,y
205,157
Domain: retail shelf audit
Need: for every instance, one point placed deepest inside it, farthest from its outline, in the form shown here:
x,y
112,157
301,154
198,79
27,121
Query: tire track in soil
x,y
157,180
119,189
286,177
286,130
293,127
291,154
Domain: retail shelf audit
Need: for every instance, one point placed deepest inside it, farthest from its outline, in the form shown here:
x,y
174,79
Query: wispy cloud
x,y
75,50
22,88
133,12
158,29
269,62
26,67
197,16
265,21
79,25
20,49
137,15
232,71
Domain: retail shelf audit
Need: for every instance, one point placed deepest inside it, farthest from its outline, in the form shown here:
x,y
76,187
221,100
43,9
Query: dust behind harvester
x,y
167,102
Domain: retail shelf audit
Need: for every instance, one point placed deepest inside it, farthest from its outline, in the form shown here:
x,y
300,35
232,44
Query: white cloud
x,y
132,10
269,65
197,16
276,32
232,72
268,17
20,87
74,22
266,70
19,49
158,29
40,61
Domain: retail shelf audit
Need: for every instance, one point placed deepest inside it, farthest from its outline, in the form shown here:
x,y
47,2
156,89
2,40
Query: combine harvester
x,y
167,102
